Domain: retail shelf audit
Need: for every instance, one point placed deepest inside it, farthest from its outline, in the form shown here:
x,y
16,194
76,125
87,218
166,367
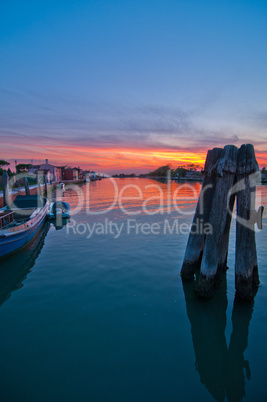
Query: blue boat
x,y
20,222
59,210
59,213
16,267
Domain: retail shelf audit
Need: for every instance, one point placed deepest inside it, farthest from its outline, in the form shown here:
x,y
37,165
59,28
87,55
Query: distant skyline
x,y
122,86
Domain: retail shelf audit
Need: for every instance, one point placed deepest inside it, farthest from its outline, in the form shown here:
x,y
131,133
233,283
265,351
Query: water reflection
x,y
238,367
222,370
60,223
144,195
14,269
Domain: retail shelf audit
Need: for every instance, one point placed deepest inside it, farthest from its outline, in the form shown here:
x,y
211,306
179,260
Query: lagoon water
x,y
91,314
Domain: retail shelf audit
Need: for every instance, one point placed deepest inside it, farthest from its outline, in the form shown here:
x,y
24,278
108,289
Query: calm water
x,y
105,317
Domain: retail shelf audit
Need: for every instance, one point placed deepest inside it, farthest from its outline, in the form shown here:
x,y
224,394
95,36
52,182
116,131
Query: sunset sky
x,y
127,86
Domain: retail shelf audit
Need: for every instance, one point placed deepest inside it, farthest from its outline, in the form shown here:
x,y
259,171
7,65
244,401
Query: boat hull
x,y
10,243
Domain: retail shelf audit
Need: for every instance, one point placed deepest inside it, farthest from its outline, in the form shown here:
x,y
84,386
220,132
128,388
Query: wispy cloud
x,y
64,127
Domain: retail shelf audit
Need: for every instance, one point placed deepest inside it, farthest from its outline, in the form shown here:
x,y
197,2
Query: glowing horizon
x,y
114,160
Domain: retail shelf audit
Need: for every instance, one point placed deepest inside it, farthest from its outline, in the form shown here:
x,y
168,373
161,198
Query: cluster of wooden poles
x,y
5,185
229,174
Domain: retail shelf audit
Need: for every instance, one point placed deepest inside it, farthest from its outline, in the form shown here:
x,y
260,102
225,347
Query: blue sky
x,y
148,75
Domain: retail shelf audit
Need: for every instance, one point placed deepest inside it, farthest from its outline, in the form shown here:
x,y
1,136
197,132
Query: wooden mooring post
x,y
46,186
196,241
39,185
26,186
5,185
246,265
229,174
215,250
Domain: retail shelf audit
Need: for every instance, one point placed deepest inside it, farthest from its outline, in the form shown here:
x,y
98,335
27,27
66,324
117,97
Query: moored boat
x,y
16,267
59,209
20,222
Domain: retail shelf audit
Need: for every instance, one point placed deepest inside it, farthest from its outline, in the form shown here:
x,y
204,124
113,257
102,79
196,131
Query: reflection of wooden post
x,y
216,245
237,366
208,322
26,186
194,249
246,265
5,188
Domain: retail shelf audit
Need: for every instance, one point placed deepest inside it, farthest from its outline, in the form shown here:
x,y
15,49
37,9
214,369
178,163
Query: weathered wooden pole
x,y
246,265
46,190
216,244
26,186
234,174
196,240
39,186
5,186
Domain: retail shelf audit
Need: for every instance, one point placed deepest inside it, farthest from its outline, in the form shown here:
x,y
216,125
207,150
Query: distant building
x,y
81,174
44,173
71,174
33,168
190,176
55,172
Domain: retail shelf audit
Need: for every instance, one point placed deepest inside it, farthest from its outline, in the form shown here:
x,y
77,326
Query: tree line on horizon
x,y
180,171
21,167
